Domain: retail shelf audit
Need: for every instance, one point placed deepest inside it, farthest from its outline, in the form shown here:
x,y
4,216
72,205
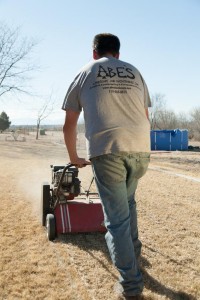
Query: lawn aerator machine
x,y
66,207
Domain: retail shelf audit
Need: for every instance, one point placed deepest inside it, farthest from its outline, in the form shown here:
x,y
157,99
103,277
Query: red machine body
x,y
66,207
79,216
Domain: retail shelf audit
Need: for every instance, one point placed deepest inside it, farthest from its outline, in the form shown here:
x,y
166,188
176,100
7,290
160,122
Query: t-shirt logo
x,y
120,72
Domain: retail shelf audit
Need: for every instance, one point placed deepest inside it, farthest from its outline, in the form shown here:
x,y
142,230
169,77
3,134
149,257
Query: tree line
x,y
163,118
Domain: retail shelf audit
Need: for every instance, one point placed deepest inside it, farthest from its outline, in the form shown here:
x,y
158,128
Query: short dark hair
x,y
106,43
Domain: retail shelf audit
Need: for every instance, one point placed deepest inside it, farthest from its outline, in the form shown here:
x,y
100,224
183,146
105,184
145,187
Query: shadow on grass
x,y
90,242
194,148
157,287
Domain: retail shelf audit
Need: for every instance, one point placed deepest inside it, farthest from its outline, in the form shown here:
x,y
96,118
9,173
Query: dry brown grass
x,y
78,266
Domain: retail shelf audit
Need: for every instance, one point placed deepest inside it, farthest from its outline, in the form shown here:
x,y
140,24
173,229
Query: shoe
x,y
121,296
136,297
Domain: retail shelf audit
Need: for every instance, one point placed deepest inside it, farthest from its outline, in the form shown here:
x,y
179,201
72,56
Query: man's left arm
x,y
147,113
147,100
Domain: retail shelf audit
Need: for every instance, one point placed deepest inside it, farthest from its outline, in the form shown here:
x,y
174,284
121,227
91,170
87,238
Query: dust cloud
x,y
30,184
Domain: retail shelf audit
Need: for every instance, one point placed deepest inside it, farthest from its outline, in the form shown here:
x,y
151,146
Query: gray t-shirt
x,y
113,96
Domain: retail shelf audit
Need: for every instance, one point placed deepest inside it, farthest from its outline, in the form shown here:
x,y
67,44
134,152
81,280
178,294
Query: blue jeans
x,y
116,177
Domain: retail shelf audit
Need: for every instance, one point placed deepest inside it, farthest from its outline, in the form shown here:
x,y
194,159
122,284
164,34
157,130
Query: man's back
x,y
114,97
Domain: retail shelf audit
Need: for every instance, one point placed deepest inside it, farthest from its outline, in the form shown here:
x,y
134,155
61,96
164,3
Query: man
x,y
115,101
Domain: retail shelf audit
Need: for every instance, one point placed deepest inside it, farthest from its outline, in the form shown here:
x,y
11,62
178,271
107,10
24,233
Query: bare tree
x,y
158,105
160,116
195,122
184,121
167,119
15,64
45,110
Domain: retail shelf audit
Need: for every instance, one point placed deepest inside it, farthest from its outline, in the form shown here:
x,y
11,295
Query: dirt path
x,y
78,266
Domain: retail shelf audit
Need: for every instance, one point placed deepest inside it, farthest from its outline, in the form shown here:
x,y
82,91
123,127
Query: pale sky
x,y
160,38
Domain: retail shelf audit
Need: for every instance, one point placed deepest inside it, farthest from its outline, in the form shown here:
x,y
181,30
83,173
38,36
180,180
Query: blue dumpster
x,y
169,140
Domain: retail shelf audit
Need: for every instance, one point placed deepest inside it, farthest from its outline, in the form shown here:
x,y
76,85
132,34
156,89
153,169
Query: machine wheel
x,y
45,202
51,227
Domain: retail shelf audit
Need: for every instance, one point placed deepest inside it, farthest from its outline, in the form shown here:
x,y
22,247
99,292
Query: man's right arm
x,y
70,136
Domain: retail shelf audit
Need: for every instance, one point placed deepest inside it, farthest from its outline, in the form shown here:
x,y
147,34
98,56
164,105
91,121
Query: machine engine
x,y
67,182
